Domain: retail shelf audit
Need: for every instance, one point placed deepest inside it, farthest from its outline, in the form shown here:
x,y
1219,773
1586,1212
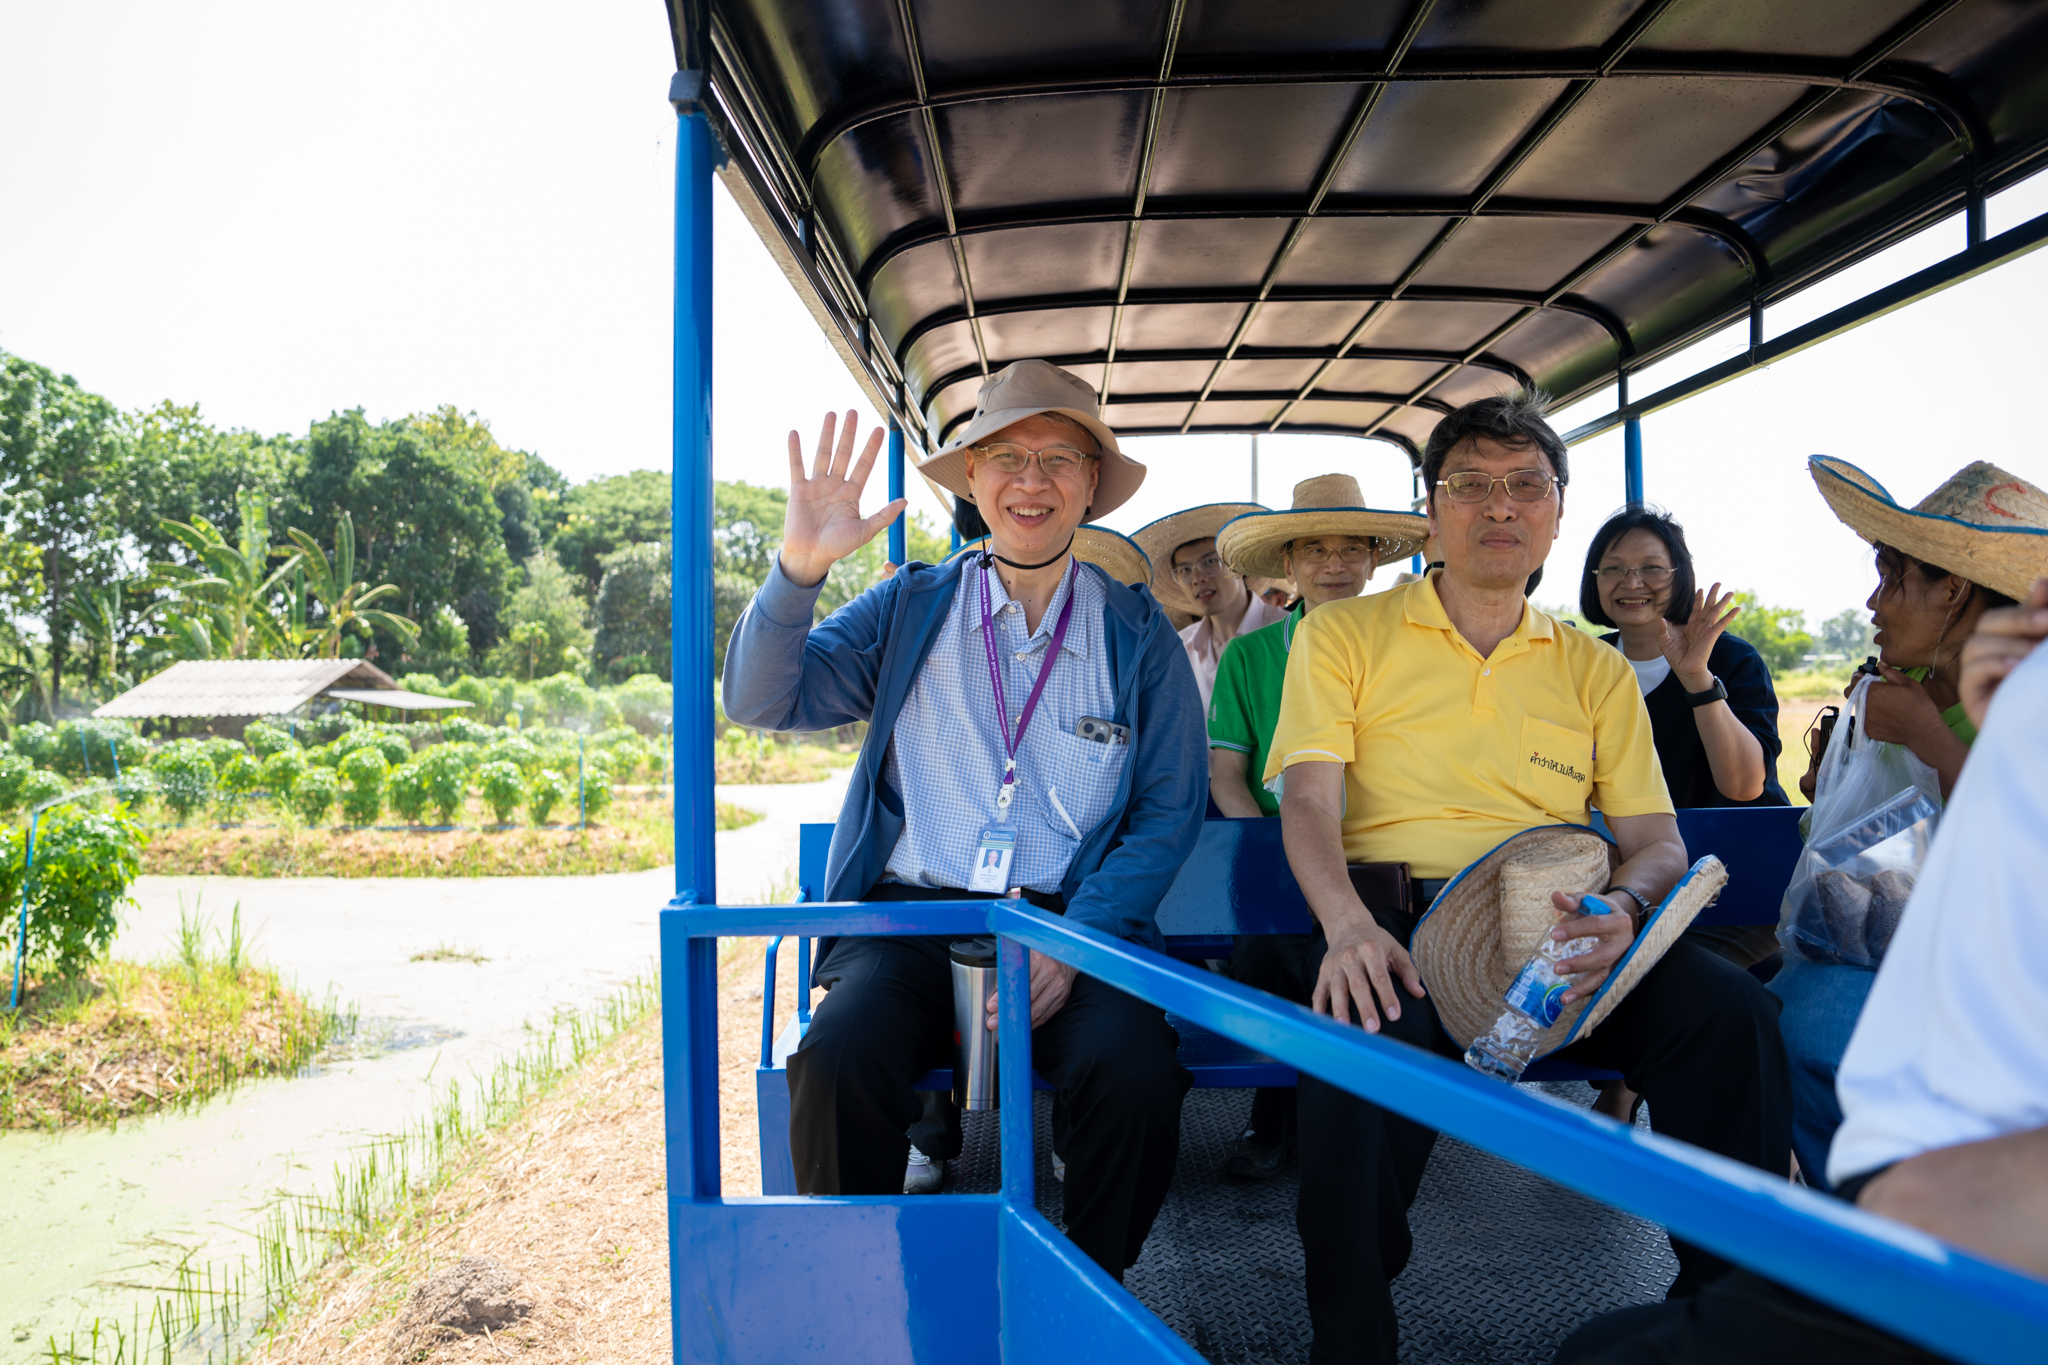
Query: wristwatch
x,y
1642,911
1718,692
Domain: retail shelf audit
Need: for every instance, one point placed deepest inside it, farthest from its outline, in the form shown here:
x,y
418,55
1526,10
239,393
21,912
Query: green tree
x,y
1848,634
606,515
61,456
227,598
344,600
548,602
1778,633
632,612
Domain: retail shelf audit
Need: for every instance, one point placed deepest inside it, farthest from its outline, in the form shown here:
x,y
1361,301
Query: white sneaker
x,y
923,1175
1059,1168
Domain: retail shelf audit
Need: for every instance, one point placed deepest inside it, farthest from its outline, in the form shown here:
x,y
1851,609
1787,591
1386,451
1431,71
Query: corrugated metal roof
x,y
240,687
397,698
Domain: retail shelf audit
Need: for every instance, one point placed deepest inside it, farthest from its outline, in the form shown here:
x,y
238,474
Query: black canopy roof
x,y
1340,215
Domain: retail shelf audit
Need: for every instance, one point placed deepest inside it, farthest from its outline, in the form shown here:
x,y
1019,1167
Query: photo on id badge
x,y
992,857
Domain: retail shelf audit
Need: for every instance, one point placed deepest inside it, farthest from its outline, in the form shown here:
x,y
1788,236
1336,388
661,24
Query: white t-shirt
x,y
1651,673
1952,1045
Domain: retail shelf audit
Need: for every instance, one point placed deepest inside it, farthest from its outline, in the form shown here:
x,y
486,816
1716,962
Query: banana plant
x,y
227,604
344,600
99,612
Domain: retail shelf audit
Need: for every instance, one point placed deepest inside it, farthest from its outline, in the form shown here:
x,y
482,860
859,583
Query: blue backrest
x,y
1237,881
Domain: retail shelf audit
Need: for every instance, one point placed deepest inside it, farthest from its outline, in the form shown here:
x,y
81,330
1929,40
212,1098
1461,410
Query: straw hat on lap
x,y
1489,918
1983,524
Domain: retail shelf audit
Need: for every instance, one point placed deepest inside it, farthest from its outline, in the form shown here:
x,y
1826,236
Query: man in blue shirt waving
x,y
1032,725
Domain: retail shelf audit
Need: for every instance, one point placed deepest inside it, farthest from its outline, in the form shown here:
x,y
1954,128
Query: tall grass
x,y
217,1312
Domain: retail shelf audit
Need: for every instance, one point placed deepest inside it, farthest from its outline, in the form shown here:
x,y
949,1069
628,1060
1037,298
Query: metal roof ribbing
x,y
240,687
1344,215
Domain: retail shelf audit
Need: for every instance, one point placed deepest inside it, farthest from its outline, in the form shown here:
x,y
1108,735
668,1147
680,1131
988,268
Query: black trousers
x,y
1272,963
887,1019
1740,1319
1697,1037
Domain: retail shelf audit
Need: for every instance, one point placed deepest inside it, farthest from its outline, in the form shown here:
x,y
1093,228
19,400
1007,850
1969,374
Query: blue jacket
x,y
781,673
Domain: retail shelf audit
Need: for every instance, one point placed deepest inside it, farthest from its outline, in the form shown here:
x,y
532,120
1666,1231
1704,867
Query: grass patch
x,y
731,816
635,835
378,1200
444,953
746,759
1814,684
128,1039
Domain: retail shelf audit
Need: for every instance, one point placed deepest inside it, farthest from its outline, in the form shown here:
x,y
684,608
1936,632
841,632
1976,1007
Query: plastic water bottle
x,y
1534,1001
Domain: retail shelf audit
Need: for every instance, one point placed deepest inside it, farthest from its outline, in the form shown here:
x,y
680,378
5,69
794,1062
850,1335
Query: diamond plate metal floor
x,y
1223,1264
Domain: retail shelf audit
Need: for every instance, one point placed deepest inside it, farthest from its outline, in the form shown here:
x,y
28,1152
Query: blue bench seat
x,y
1238,882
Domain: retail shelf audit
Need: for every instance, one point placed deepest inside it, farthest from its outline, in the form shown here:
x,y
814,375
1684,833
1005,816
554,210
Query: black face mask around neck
x,y
987,555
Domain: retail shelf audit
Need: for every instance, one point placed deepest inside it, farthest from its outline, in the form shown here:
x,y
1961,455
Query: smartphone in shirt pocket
x,y
1088,762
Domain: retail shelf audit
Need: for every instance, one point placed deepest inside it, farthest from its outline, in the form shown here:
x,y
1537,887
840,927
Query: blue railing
x,y
1892,1276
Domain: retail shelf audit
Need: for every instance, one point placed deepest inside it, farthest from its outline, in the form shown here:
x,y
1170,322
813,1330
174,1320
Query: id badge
x,y
992,855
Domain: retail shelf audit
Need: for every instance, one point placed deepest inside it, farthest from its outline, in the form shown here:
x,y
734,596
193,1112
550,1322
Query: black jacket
x,y
1679,748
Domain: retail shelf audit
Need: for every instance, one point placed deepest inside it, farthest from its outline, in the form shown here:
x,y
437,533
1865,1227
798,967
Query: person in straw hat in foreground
x,y
1448,725
1031,726
1328,543
1971,546
1192,581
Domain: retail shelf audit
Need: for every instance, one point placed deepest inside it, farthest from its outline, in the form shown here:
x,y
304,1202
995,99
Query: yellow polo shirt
x,y
1446,753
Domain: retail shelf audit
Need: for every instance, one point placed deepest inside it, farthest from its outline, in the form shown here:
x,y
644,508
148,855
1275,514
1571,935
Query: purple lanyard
x,y
995,678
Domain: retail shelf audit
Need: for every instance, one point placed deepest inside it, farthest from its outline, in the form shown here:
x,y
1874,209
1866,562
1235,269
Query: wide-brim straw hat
x,y
1489,918
1026,389
1984,523
1116,555
1161,538
1327,505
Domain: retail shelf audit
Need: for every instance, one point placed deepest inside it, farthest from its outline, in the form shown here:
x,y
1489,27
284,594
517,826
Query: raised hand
x,y
1689,646
823,524
2003,638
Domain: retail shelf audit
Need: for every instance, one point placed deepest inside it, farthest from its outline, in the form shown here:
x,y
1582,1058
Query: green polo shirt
x,y
1245,706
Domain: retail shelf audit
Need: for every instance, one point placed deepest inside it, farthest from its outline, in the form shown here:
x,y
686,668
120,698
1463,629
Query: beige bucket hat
x,y
1161,538
1489,918
1984,523
1327,505
1026,389
1116,555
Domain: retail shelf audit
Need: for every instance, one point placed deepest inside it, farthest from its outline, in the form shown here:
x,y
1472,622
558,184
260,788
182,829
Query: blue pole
x,y
690,1030
28,867
1632,460
85,753
1013,1075
896,532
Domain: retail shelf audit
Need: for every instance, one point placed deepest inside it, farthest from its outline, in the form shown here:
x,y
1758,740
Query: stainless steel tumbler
x,y
974,1045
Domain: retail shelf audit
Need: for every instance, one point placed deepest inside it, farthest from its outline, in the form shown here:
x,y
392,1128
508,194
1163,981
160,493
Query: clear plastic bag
x,y
1875,807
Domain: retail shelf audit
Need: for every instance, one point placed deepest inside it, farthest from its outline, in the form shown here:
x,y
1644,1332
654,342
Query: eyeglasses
x,y
1524,485
1053,461
1651,575
1208,566
1321,554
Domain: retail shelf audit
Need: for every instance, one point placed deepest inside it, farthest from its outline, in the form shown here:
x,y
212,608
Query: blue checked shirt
x,y
946,755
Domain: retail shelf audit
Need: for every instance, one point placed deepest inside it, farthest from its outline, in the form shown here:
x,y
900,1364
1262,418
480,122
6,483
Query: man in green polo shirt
x,y
1328,543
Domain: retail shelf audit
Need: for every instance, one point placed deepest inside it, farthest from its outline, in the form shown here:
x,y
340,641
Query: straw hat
x,y
1983,524
1489,918
1114,554
1327,505
1161,538
1026,389
1261,586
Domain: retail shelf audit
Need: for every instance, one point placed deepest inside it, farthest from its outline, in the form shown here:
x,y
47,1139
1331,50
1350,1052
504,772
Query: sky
x,y
277,211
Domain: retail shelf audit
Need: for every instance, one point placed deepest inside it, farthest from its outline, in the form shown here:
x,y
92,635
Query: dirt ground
x,y
572,1197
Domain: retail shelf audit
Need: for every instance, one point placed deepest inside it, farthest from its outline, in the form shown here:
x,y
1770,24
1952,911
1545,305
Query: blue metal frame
x,y
896,527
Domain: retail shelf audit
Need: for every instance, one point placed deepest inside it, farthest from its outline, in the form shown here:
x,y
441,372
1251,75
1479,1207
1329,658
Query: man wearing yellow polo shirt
x,y
1425,725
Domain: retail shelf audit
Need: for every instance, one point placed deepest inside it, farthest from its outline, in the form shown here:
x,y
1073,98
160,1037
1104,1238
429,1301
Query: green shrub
x,y
406,789
281,772
519,752
83,865
220,751
364,770
264,740
597,783
185,776
446,773
135,787
240,778
646,703
313,795
504,788
463,730
82,747
35,742
39,786
14,769
547,790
